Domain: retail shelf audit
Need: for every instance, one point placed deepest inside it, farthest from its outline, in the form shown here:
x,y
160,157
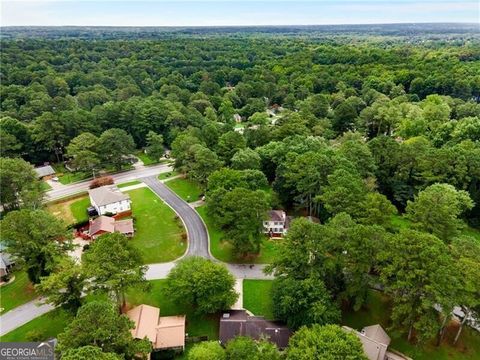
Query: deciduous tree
x,y
113,265
207,350
114,146
303,302
437,209
202,284
324,342
20,185
418,273
36,238
64,285
98,324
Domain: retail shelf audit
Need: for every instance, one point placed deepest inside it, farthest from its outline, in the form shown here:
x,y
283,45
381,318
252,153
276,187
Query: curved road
x,y
198,242
197,233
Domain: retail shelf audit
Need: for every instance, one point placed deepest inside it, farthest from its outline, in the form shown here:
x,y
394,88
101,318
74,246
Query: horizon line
x,y
250,25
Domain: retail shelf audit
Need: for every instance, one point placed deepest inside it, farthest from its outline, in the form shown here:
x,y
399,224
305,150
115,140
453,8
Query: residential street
x,y
135,174
198,242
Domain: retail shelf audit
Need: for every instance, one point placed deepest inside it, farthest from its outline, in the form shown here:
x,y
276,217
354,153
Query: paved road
x,y
137,173
197,238
197,233
22,314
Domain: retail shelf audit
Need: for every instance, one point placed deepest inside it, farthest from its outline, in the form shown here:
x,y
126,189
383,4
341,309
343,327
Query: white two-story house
x,y
109,200
277,223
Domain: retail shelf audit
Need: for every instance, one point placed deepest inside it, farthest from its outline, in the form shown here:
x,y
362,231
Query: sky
x,y
233,12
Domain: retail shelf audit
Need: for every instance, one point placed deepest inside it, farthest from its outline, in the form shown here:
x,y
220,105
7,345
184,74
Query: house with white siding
x,y
109,200
276,225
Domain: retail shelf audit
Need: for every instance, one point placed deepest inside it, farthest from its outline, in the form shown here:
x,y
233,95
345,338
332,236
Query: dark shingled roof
x,y
238,323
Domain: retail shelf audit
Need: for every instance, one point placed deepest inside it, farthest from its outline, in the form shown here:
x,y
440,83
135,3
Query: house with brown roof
x,y
375,342
277,223
107,225
164,332
109,200
235,323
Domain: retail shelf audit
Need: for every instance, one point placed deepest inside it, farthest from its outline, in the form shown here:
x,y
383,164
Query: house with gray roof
x,y
6,262
375,342
44,171
235,323
109,200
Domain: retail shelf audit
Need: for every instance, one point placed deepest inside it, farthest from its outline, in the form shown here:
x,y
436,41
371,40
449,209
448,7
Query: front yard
x,y
222,250
187,189
67,177
168,174
257,297
18,292
158,231
42,328
147,160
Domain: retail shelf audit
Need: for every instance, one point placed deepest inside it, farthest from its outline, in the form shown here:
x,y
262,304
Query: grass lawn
x,y
79,209
377,311
17,293
44,327
147,160
158,232
187,189
67,177
45,186
167,175
63,208
196,325
223,250
257,297
130,183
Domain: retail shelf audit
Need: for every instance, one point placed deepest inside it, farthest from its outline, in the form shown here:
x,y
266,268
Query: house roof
x,y
124,226
163,332
105,195
170,332
376,332
102,223
5,260
110,225
44,171
238,323
145,318
276,215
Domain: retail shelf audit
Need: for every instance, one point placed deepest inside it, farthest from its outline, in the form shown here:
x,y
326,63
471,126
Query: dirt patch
x,y
62,210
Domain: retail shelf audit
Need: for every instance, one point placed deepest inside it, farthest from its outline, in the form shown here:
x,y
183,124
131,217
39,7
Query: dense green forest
x,y
406,115
372,131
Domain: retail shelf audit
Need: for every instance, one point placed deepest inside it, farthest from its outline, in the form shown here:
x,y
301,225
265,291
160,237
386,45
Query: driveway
x,y
196,230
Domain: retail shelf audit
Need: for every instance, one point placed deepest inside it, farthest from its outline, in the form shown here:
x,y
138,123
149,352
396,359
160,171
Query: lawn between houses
x,y
257,297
